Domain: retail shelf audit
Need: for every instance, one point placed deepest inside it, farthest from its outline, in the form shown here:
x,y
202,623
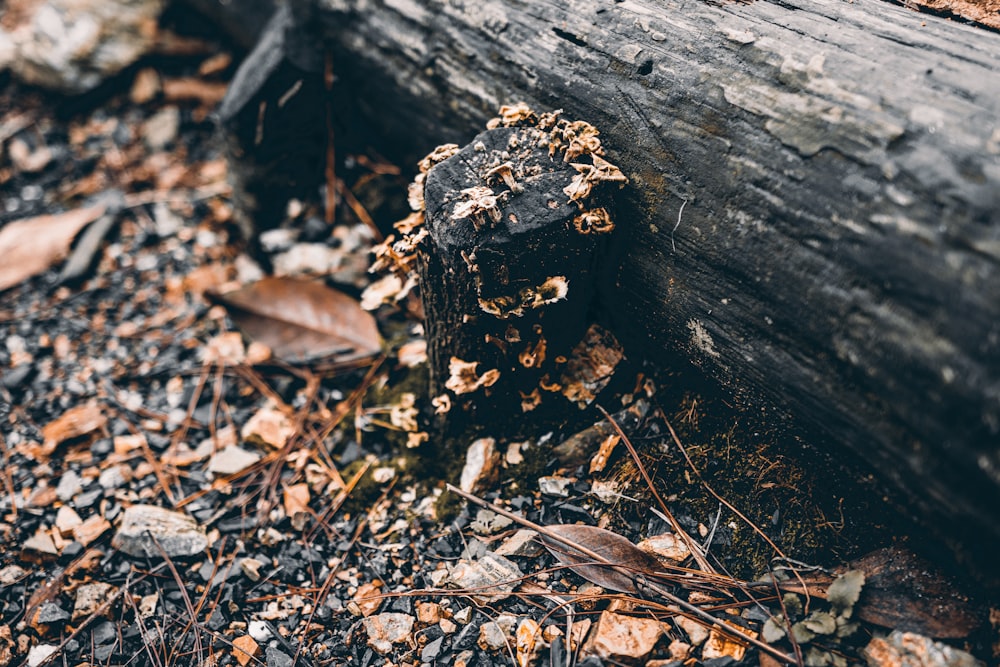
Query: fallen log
x,y
814,216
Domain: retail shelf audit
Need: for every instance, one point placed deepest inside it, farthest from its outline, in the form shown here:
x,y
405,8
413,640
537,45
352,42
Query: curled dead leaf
x,y
32,245
635,563
302,321
73,423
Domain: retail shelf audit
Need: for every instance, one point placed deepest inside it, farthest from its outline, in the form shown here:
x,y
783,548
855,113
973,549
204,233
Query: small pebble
x,y
39,654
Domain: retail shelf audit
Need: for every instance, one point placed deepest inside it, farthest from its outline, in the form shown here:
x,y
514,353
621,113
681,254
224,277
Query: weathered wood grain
x,y
816,217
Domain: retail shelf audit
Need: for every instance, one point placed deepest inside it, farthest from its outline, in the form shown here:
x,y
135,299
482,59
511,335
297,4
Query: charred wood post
x,y
273,125
514,222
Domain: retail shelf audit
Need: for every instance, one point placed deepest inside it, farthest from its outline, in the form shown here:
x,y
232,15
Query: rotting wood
x,y
814,219
509,233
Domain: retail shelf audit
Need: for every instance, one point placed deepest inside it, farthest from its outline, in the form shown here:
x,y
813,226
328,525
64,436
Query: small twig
x,y
360,211
659,590
711,533
679,213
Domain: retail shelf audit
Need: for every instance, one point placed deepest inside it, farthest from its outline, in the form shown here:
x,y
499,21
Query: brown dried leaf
x,y
369,597
302,321
32,245
613,547
73,423
91,529
296,499
604,453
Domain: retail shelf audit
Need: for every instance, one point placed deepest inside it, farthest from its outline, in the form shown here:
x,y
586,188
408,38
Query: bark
x,y
243,20
508,268
815,217
273,125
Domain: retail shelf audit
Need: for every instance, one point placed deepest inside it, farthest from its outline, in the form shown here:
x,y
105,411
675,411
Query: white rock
x,y
161,128
275,240
554,486
90,597
667,545
41,542
606,491
66,520
247,269
167,222
521,543
38,654
312,258
386,629
489,579
482,466
146,529
12,574
491,637
231,460
73,45
111,478
259,630
696,632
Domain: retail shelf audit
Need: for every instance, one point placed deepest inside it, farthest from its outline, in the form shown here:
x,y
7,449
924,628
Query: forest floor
x,y
176,492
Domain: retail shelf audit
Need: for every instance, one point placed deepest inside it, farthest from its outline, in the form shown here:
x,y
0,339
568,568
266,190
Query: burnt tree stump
x,y
515,223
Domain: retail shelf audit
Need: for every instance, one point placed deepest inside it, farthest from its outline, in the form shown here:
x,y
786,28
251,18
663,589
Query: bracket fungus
x,y
500,230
